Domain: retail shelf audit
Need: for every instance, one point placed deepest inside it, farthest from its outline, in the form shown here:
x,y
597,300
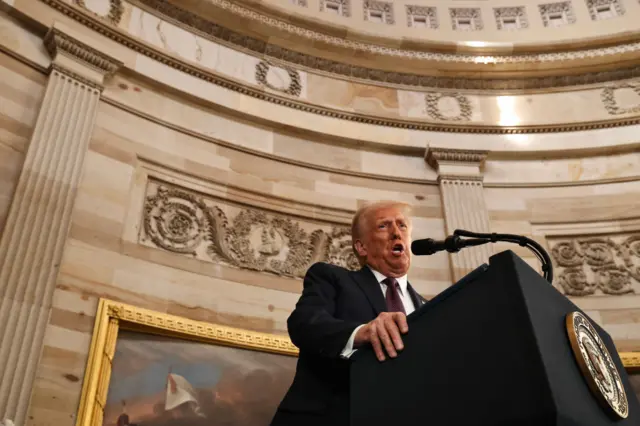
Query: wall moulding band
x,y
326,168
300,60
245,7
282,99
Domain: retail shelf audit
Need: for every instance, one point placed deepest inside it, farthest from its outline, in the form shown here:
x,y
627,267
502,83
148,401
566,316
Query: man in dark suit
x,y
340,311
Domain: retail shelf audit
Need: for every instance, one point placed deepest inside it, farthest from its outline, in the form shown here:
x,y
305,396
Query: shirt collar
x,y
402,281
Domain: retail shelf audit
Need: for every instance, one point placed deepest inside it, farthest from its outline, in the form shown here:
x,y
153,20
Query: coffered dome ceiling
x,y
482,45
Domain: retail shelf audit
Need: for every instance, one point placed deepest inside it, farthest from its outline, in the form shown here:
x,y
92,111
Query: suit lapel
x,y
371,288
417,300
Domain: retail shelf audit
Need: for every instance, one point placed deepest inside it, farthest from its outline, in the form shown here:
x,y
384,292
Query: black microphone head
x,y
423,247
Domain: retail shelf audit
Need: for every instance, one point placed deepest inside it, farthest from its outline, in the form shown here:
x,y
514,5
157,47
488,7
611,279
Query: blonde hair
x,y
362,214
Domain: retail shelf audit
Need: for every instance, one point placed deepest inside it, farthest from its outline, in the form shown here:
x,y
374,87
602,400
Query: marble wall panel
x,y
597,168
349,96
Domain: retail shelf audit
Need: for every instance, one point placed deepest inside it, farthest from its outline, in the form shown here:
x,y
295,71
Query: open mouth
x,y
397,249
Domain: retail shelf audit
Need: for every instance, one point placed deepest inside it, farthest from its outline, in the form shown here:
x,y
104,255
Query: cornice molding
x,y
57,42
283,25
98,25
436,156
219,34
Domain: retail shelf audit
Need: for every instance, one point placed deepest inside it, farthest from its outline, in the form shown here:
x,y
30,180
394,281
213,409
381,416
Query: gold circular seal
x,y
596,364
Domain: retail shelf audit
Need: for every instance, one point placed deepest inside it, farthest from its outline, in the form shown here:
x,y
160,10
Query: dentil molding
x,y
60,45
435,157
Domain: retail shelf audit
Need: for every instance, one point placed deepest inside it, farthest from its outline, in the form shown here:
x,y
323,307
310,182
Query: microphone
x,y
429,246
454,243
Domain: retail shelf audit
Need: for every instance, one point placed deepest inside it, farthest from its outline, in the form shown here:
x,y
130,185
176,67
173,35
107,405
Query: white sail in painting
x,y
180,391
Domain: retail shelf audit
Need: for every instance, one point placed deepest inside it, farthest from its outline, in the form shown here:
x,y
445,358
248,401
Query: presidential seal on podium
x,y
596,364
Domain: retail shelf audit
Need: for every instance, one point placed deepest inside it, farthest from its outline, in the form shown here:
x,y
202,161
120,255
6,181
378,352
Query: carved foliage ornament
x,y
608,96
611,265
188,224
434,110
116,10
293,89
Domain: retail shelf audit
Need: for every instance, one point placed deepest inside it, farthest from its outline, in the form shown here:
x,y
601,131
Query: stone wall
x,y
170,191
21,90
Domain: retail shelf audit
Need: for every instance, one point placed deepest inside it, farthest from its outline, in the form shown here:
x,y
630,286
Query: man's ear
x,y
360,248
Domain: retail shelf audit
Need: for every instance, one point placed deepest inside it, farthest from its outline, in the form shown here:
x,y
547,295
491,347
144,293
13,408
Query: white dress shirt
x,y
404,296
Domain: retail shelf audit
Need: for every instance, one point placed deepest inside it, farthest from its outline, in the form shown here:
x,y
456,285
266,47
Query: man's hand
x,y
384,331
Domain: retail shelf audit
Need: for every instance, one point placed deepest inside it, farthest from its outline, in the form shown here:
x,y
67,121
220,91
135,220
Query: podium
x,y
491,350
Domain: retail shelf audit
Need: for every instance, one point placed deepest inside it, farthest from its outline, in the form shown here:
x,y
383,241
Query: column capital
x,y
77,59
456,164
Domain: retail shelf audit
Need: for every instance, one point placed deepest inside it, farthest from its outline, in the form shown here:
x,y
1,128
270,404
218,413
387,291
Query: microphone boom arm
x,y
480,238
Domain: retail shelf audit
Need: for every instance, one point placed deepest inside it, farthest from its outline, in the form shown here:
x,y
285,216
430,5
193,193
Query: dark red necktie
x,y
394,301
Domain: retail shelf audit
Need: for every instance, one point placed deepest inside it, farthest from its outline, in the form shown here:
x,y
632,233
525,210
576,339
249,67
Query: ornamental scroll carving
x,y
608,264
193,225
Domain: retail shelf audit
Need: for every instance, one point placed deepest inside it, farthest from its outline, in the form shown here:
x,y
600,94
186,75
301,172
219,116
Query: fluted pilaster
x,y
36,229
462,192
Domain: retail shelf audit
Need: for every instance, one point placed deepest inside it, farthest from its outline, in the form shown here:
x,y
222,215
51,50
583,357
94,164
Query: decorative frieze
x,y
597,264
261,48
211,230
557,14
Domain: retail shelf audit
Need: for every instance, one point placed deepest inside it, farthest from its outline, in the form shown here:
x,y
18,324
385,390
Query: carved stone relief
x,y
425,14
466,19
608,264
515,15
289,85
340,7
114,15
605,9
191,224
608,96
382,8
557,14
435,110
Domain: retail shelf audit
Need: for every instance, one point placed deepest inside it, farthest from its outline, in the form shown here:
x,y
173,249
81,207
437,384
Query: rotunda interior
x,y
170,169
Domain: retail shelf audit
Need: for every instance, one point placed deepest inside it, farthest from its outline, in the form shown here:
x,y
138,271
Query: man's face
x,y
385,241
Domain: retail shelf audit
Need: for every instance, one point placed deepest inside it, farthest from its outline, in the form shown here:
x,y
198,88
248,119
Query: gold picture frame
x,y
113,316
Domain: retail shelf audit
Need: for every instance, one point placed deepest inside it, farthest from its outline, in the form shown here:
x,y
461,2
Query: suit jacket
x,y
333,303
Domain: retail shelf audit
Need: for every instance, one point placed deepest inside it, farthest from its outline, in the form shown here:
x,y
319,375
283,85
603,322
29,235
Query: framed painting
x,y
147,368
